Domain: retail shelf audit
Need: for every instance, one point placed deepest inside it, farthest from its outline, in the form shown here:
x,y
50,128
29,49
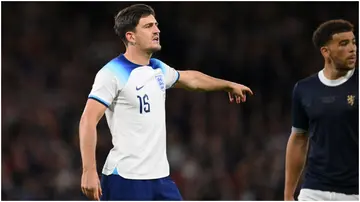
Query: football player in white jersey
x,y
130,90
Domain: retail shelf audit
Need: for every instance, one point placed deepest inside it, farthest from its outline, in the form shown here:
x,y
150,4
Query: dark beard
x,y
341,66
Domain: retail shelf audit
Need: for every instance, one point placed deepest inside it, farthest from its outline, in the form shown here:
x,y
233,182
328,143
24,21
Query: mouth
x,y
352,58
156,39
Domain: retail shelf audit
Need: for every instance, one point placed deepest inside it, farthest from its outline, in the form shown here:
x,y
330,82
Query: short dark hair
x,y
128,18
324,33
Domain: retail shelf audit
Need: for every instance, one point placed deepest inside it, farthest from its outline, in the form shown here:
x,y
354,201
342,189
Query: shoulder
x,y
303,86
307,82
107,72
158,64
119,67
353,81
356,74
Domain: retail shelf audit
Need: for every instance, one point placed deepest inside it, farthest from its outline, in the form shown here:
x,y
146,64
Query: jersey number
x,y
144,103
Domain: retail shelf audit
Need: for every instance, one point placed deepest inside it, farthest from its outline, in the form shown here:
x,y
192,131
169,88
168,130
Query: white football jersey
x,y
135,97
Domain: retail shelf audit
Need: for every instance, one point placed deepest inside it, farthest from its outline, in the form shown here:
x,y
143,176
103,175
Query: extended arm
x,y
195,80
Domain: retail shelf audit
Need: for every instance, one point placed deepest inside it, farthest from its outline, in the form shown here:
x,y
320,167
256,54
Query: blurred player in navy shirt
x,y
325,122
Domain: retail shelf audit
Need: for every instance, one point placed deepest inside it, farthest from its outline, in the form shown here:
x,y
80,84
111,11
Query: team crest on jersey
x,y
351,99
160,81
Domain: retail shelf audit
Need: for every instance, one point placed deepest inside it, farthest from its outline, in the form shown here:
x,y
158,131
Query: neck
x,y
137,56
333,73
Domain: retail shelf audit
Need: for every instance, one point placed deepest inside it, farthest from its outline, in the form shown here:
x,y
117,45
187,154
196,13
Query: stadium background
x,y
217,151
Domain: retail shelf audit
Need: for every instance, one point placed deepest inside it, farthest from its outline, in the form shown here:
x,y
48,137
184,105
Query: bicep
x,y
299,139
93,112
185,79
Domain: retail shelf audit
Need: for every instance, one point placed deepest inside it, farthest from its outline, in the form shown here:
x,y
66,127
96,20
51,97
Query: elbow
x,y
83,121
82,125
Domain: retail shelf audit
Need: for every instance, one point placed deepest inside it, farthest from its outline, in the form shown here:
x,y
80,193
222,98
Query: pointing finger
x,y
247,89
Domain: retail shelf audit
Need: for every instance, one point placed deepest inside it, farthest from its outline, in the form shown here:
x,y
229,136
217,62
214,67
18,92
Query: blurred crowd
x,y
217,150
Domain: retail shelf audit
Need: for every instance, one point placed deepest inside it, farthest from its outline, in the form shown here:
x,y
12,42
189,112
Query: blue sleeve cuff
x,y
99,100
176,80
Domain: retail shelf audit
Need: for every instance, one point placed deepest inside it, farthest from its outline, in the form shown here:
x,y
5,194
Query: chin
x,y
347,67
155,49
351,66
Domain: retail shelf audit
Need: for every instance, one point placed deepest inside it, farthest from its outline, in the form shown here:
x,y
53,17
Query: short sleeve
x,y
170,74
104,88
300,121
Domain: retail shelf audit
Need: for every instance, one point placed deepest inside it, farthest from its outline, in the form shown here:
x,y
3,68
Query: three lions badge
x,y
351,99
160,81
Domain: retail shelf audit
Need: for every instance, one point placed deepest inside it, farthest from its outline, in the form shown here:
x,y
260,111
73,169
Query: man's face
x,y
147,34
342,50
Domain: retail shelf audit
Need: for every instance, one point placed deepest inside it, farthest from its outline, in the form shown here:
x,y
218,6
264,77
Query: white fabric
x,y
317,195
136,117
336,82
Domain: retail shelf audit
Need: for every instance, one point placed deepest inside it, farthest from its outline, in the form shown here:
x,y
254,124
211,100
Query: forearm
x,y
203,82
88,139
295,161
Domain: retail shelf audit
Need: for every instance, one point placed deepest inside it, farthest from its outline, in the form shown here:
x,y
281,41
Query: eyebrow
x,y
150,23
346,40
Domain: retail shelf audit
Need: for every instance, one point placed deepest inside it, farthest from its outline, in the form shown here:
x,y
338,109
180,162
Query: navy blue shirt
x,y
329,114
